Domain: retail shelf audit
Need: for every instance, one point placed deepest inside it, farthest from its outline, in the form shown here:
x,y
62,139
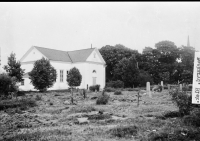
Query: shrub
x,y
43,75
38,97
176,135
115,84
124,131
117,92
109,89
171,114
193,118
7,85
102,99
22,103
74,77
94,88
182,100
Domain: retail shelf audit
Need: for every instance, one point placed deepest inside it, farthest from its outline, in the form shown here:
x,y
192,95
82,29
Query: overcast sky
x,y
71,26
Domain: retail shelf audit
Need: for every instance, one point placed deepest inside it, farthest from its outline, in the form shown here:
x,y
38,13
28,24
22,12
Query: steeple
x,y
188,42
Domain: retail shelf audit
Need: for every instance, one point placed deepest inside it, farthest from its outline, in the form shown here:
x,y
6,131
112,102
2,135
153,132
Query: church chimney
x,y
188,42
91,45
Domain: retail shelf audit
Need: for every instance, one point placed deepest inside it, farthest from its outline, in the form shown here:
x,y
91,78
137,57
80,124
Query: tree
x,y
126,70
43,75
7,84
144,77
74,79
187,57
112,55
14,68
168,56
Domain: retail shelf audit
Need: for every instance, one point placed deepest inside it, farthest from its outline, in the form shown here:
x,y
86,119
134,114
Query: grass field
x,y
54,119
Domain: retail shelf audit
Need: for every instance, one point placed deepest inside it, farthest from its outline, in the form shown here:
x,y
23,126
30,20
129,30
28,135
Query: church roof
x,y
66,56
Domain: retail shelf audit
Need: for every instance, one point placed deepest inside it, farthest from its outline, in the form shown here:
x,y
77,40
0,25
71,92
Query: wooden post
x,y
72,100
138,96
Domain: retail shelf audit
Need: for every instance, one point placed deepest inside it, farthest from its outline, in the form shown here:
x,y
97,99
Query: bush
x,y
94,88
102,99
187,88
22,104
193,119
177,135
38,97
7,85
117,92
109,89
43,75
182,100
124,131
115,84
171,114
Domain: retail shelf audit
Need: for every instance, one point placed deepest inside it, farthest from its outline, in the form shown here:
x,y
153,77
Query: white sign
x,y
196,79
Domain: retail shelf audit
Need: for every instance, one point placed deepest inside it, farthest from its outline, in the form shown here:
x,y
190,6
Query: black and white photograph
x,y
100,71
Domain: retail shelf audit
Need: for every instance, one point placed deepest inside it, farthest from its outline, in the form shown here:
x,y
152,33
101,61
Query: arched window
x,y
94,71
94,55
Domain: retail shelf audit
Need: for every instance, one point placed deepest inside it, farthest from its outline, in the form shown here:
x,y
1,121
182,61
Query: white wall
x,y
100,74
94,57
85,68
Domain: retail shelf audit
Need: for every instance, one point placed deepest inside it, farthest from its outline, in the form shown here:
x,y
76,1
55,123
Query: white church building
x,y
89,62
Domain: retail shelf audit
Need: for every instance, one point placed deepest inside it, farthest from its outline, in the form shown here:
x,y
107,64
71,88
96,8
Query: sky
x,y
76,25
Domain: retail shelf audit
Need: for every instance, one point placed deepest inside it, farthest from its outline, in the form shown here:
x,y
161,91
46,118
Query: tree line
x,y
166,62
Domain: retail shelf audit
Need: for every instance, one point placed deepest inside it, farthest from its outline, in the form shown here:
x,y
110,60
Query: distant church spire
x,y
188,42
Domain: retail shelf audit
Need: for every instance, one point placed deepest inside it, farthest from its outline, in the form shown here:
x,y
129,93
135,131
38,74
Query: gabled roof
x,y
53,54
64,56
80,55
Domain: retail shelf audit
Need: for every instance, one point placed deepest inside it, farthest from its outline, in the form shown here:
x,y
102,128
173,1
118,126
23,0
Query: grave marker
x,y
148,89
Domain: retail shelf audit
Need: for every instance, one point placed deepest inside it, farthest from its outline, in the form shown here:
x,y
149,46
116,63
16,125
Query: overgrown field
x,y
50,117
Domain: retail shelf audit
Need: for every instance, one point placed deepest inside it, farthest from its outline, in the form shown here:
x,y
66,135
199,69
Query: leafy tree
x,y
144,77
112,55
168,56
187,57
7,84
147,50
126,70
74,79
14,68
43,75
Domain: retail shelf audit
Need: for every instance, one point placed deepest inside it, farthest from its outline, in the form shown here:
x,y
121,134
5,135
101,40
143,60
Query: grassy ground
x,y
53,119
